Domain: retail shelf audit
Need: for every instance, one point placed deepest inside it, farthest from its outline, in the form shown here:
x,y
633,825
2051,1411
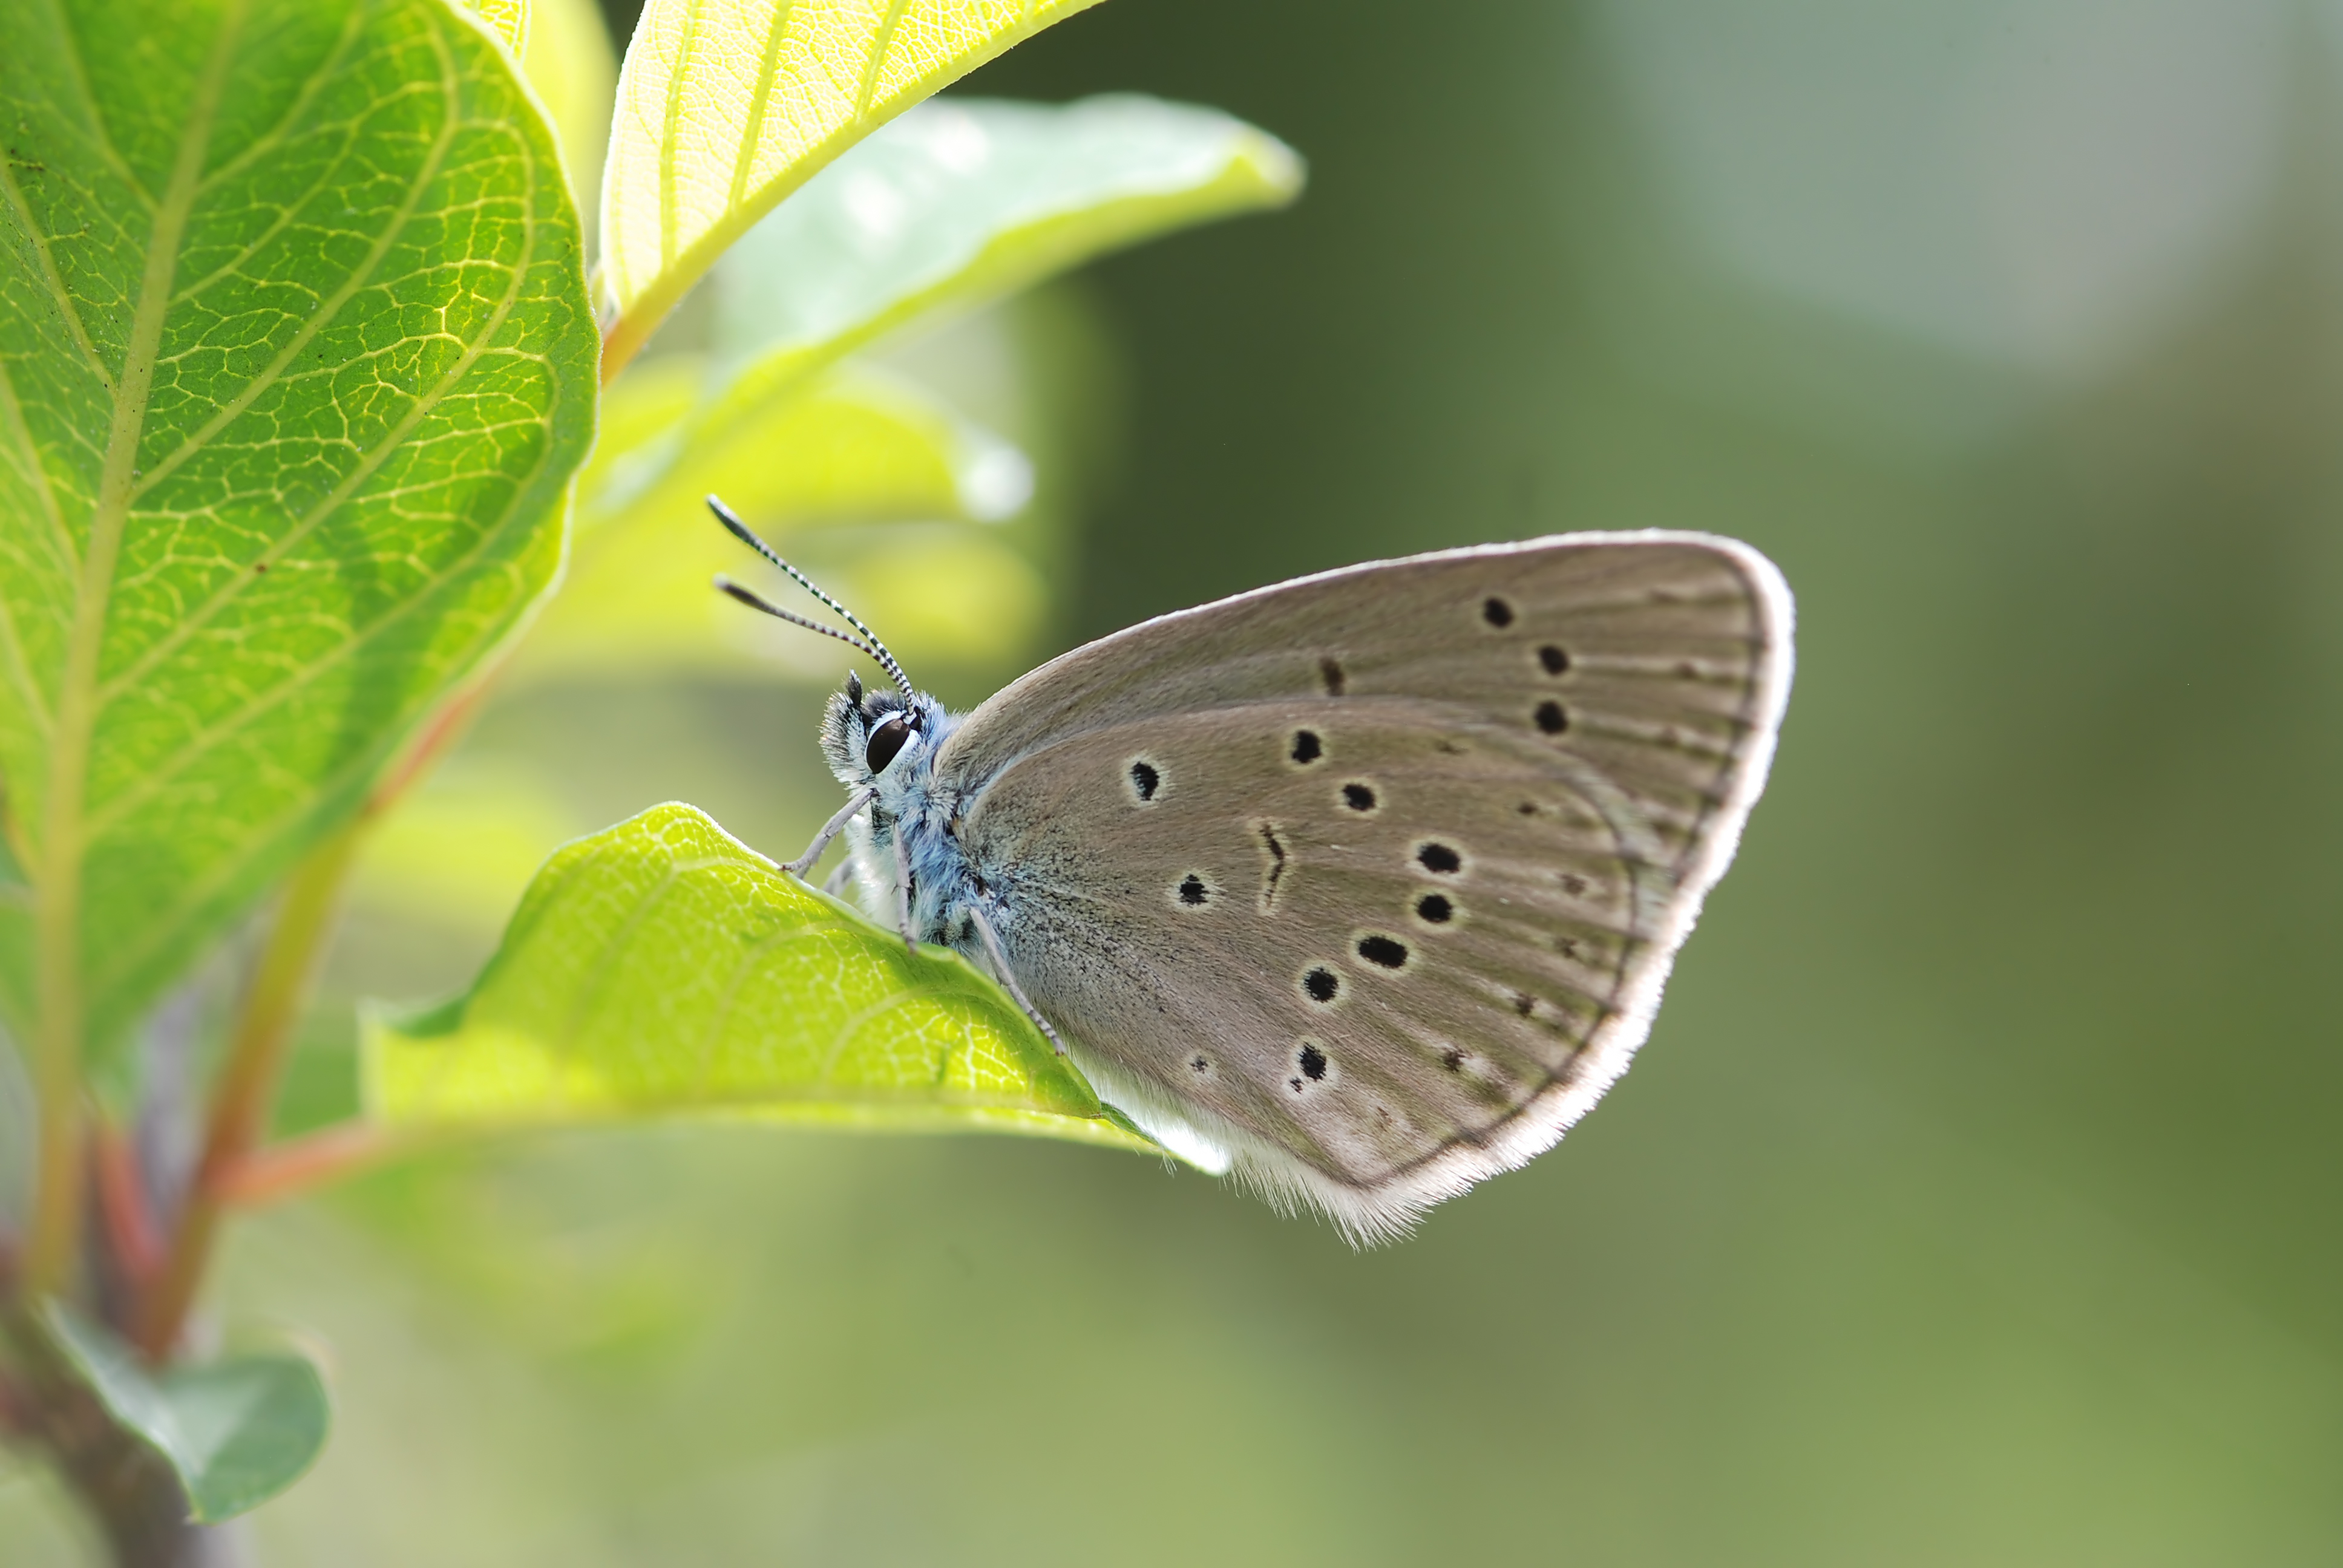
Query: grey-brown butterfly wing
x,y
1372,880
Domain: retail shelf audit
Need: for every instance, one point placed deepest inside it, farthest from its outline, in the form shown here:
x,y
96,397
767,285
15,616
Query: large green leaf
x,y
725,106
965,200
661,967
294,362
236,1431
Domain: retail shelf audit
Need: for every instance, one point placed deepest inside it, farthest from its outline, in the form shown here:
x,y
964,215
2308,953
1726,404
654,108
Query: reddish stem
x,y
294,1166
122,1205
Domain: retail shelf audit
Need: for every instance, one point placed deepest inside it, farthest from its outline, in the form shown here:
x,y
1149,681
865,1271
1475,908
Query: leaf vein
x,y
671,133
101,138
67,306
880,45
272,138
760,104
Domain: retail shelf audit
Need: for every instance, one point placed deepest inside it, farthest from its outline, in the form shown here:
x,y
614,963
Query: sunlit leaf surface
x,y
725,106
966,200
237,1431
662,967
295,361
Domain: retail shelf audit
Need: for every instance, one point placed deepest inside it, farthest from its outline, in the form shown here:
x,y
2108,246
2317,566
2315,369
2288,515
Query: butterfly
x,y
1363,885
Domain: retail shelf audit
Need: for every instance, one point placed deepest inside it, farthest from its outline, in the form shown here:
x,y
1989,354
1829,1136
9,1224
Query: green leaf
x,y
726,108
294,364
236,1431
964,201
859,447
661,967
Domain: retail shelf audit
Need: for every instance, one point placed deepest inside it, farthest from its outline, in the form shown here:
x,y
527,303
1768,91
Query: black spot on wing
x,y
1439,858
1192,891
1329,670
1434,909
1307,748
1550,719
1273,869
1497,612
1358,796
1555,660
1384,952
1145,779
1321,984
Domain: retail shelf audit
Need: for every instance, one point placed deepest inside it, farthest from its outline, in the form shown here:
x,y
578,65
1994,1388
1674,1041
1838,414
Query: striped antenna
x,y
871,645
756,601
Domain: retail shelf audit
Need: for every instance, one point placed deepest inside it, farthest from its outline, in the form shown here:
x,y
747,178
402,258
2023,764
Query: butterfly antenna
x,y
871,645
756,601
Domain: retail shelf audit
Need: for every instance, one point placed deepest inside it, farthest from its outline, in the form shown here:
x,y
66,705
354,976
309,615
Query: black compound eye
x,y
885,742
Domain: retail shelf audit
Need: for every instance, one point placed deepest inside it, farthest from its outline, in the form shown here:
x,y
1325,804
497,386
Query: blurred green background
x,y
1974,1200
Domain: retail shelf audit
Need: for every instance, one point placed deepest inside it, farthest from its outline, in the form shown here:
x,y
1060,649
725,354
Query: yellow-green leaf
x,y
725,106
860,448
964,201
662,968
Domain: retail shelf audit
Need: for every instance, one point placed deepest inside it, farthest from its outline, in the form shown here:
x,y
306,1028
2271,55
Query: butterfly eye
x,y
885,742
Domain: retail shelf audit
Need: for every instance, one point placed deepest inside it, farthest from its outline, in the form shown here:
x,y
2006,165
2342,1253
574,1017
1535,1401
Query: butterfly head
x,y
882,737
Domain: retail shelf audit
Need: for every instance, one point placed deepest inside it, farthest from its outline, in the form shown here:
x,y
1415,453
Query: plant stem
x,y
57,1193
246,1090
296,1164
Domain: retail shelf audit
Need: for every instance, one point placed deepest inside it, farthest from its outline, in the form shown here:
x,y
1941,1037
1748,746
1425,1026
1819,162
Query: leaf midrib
x,y
63,834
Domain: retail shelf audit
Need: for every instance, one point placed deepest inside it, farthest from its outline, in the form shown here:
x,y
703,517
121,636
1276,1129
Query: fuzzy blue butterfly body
x,y
945,889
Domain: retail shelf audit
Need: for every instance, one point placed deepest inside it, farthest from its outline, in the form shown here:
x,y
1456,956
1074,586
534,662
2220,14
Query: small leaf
x,y
661,967
725,106
295,364
236,1431
966,200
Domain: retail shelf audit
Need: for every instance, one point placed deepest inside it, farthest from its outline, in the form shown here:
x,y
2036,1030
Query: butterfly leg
x,y
836,882
829,830
1009,979
903,891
